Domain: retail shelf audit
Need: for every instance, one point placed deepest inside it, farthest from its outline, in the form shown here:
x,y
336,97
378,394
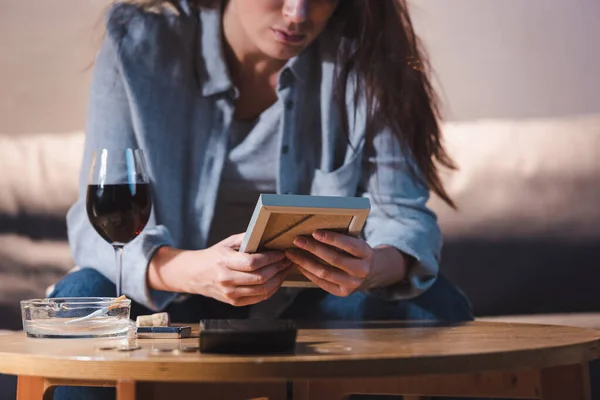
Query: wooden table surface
x,y
331,350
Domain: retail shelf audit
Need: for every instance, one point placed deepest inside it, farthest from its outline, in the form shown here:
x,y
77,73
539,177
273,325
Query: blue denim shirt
x,y
161,84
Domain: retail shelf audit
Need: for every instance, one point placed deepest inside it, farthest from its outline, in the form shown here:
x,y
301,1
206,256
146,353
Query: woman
x,y
230,99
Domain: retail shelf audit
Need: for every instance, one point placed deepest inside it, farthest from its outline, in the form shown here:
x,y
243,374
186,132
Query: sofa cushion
x,y
38,177
526,236
524,179
38,172
38,183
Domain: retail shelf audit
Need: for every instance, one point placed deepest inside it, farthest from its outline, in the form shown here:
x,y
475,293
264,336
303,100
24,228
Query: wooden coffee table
x,y
331,361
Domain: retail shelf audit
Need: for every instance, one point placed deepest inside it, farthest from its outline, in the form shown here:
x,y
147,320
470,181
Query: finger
x,y
245,301
260,277
258,290
320,270
332,256
234,241
252,262
328,286
351,245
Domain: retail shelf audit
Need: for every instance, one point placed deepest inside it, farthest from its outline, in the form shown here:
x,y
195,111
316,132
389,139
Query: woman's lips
x,y
288,37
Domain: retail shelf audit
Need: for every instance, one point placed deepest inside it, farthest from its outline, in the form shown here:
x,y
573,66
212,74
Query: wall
x,y
514,58
505,59
46,48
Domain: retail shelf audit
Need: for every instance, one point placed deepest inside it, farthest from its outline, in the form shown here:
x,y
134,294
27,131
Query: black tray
x,y
247,336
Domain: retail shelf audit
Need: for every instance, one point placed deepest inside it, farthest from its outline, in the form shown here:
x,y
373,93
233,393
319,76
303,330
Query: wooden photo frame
x,y
279,219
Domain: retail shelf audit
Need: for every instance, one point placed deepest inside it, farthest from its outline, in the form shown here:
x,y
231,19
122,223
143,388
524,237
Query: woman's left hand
x,y
338,263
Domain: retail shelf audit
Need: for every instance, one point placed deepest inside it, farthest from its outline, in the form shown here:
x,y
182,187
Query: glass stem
x,y
119,265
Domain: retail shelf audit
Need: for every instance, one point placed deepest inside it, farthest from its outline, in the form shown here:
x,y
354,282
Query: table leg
x,y
570,382
30,388
126,390
38,388
34,388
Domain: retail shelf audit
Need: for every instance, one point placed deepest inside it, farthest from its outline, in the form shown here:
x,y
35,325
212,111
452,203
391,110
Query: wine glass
x,y
118,199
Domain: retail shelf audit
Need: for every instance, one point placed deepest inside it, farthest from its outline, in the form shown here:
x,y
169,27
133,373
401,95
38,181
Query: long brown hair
x,y
382,50
394,73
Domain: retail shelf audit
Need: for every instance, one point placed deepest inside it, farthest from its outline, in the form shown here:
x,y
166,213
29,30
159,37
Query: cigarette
x,y
117,300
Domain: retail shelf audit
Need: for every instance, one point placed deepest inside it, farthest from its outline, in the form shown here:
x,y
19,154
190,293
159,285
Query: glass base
x,y
44,336
55,328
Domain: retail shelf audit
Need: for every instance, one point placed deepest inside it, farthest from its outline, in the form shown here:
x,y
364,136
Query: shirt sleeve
x,y
399,215
109,125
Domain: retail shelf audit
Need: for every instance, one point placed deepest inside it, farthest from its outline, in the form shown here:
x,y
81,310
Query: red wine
x,y
119,212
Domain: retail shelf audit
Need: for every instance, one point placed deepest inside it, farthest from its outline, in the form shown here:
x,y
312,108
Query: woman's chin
x,y
280,51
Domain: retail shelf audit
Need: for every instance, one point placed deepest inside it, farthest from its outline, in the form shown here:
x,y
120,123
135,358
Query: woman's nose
x,y
295,11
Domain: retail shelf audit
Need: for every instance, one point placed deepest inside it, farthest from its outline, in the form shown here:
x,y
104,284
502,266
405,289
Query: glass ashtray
x,y
81,317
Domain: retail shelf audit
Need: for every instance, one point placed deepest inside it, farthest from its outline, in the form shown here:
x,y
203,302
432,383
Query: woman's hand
x,y
220,272
342,264
338,263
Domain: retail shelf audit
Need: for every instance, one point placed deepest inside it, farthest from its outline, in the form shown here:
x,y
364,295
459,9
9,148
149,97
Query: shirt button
x,y
285,149
289,105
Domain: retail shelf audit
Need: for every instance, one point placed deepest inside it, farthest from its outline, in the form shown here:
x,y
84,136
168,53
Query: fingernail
x,y
320,235
300,241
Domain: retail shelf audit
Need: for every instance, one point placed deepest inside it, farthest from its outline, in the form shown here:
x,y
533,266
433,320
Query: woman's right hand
x,y
220,272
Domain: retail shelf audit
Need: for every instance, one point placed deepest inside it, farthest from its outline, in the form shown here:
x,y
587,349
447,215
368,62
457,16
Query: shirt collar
x,y
299,65
214,71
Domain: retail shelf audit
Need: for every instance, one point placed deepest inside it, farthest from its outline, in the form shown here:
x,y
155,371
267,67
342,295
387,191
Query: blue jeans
x,y
442,302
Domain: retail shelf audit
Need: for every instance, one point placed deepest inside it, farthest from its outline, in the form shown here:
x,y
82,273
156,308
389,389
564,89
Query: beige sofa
x,y
527,235
524,241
